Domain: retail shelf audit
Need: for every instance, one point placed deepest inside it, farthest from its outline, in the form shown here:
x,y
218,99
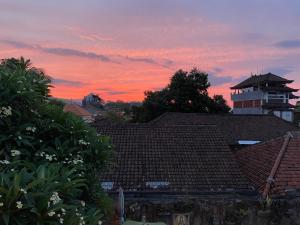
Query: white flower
x,y
15,152
19,137
82,142
49,157
5,111
6,162
82,203
23,191
99,222
1,204
19,204
51,213
32,129
61,220
55,198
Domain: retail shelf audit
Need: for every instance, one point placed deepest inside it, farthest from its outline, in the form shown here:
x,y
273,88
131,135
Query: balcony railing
x,y
244,96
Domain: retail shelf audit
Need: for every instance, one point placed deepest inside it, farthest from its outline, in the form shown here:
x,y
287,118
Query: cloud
x,y
144,60
71,83
294,43
216,80
165,62
218,70
82,34
282,71
61,51
73,52
114,92
89,55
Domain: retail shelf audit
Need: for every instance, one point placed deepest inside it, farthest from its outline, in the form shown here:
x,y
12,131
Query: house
x,y
79,111
93,104
181,165
297,114
239,130
169,172
264,94
273,167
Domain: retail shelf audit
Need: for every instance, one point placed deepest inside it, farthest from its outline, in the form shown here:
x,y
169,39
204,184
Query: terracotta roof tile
x,y
257,162
184,158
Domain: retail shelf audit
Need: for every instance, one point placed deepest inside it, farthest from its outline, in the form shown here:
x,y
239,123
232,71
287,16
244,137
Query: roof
x,y
260,79
278,106
259,160
171,159
77,110
283,89
235,127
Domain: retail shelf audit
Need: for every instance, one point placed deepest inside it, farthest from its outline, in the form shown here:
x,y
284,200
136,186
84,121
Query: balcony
x,y
244,96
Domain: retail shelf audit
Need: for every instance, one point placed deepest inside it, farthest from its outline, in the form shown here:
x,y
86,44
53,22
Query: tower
x,y
264,94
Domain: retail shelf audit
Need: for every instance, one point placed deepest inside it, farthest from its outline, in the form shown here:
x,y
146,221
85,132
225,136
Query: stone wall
x,y
221,212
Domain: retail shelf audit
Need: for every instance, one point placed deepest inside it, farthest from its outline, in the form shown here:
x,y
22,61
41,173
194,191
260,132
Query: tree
x,y
93,100
49,159
219,105
187,92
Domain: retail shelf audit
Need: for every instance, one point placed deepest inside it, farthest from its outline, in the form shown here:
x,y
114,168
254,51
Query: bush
x,y
49,159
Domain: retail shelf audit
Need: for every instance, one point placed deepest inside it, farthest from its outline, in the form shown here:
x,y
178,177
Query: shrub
x,y
49,159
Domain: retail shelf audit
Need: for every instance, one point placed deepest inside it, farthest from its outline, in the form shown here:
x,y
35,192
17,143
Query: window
x,y
157,184
107,185
248,142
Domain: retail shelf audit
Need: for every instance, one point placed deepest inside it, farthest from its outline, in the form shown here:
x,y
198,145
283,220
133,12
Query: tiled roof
x,y
172,159
79,111
235,127
260,79
258,161
278,106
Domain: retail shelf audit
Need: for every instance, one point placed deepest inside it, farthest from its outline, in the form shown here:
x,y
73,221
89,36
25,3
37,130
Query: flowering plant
x,y
49,159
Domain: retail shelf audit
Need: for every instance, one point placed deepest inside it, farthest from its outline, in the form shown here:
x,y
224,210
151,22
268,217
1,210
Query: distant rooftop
x,y
79,111
261,79
235,127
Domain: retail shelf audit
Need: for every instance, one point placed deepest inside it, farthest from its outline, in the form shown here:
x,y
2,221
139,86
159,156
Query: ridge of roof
x,y
273,166
277,162
255,79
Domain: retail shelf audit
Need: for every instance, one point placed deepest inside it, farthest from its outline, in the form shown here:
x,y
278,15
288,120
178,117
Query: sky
x,y
121,48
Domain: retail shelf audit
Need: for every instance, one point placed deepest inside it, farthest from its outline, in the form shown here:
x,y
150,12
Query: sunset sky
x,y
120,48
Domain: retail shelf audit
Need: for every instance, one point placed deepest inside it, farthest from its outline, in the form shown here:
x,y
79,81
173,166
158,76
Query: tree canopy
x,y
187,92
49,159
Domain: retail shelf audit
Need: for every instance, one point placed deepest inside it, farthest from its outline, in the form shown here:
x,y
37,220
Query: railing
x,y
253,95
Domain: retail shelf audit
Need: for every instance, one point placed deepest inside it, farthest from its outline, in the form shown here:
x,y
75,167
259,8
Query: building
x,y
181,165
170,172
239,130
93,104
264,94
79,111
273,167
297,114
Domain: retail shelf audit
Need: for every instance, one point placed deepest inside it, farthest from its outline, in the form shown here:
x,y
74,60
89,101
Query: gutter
x,y
271,177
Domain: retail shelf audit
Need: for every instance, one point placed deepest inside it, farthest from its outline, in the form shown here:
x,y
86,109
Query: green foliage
x,y
187,92
49,159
